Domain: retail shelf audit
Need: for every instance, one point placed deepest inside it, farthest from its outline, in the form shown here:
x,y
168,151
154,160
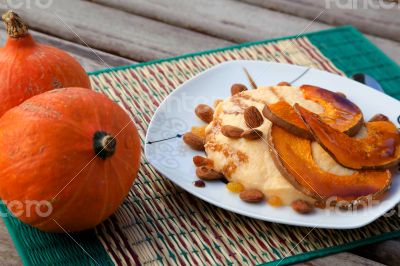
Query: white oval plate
x,y
173,158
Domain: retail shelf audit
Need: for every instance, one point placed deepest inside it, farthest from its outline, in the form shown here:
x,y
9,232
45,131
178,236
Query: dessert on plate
x,y
300,146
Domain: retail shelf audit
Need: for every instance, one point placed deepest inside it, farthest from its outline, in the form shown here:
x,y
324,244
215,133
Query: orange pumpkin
x,y
68,159
29,68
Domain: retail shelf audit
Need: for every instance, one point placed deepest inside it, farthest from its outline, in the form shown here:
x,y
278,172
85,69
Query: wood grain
x,y
386,252
226,19
233,20
8,253
116,31
342,259
374,17
90,59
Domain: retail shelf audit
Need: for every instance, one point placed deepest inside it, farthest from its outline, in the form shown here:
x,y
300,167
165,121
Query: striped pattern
x,y
159,223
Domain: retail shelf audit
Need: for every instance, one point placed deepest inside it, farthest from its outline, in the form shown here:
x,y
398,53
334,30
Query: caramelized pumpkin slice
x,y
339,112
380,149
293,157
284,115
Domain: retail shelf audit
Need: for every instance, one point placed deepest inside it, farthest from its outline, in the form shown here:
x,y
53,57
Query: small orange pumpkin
x,y
29,68
68,159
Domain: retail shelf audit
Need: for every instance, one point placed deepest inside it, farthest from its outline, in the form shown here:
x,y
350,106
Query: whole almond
x,y
379,117
251,195
283,83
204,112
231,131
253,117
193,141
202,161
208,174
302,206
237,88
252,134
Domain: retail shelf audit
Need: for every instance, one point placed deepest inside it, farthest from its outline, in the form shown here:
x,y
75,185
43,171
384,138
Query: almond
x,y
251,195
253,117
252,134
302,206
231,131
283,83
204,112
379,117
193,141
238,88
202,161
208,174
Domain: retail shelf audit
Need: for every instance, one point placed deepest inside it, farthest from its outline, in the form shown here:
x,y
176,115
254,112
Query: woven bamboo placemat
x,y
158,223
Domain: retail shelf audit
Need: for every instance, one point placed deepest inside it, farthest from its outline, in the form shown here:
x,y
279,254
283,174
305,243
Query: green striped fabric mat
x,y
159,223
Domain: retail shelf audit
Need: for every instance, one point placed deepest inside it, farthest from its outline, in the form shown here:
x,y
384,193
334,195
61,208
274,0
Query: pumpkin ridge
x,y
116,170
106,198
69,202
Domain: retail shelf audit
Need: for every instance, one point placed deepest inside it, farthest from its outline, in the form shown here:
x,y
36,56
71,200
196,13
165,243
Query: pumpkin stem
x,y
104,144
15,26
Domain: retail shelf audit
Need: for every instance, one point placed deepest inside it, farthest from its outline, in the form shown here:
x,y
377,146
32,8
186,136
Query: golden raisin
x,y
235,187
199,131
275,201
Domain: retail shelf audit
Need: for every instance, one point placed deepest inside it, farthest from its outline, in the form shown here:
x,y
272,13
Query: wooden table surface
x,y
107,33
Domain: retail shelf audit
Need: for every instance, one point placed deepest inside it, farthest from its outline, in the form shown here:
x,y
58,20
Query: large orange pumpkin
x,y
68,159
29,68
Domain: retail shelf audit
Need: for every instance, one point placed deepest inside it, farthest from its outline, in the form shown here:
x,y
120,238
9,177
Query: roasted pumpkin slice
x,y
380,149
293,157
339,112
283,114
